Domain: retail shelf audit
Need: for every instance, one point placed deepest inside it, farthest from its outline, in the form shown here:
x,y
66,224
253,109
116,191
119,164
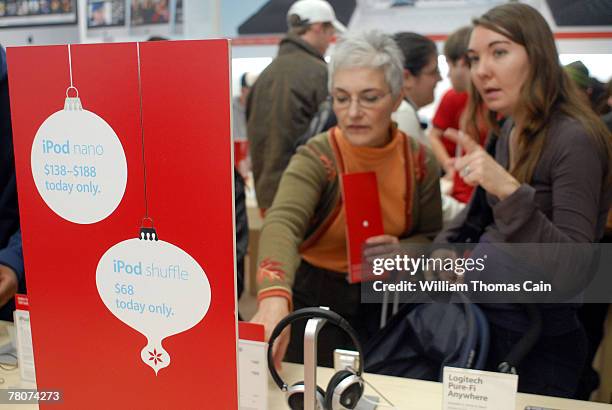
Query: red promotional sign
x,y
21,302
251,331
363,218
124,173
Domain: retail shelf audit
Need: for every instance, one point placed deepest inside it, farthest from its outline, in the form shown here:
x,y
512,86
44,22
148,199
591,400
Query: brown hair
x,y
547,90
455,46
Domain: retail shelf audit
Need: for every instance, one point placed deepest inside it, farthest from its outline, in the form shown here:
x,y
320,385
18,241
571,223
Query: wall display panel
x,y
20,13
149,12
577,13
106,13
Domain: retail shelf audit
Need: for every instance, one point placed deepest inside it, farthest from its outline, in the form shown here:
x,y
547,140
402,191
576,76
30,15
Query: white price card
x,y
466,389
25,351
252,366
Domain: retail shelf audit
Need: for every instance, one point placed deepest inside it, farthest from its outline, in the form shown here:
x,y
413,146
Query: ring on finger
x,y
465,171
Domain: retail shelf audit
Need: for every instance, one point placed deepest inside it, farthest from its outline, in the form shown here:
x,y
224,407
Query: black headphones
x,y
344,389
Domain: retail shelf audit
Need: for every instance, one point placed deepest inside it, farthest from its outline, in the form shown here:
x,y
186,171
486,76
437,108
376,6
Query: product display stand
x,y
313,326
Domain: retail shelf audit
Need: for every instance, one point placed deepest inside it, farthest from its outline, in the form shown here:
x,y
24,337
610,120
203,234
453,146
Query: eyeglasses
x,y
367,99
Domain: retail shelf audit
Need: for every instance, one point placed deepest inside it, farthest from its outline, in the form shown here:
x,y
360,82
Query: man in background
x,y
454,101
450,114
288,92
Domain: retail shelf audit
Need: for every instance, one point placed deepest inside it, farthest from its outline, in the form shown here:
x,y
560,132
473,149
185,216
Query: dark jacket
x,y
10,235
566,202
284,99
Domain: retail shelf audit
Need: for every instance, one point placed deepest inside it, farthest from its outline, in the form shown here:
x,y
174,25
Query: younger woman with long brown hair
x,y
548,183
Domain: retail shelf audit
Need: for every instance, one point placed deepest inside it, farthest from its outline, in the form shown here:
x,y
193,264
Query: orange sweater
x,y
388,162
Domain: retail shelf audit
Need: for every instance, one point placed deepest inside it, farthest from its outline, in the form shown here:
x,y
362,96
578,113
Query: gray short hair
x,y
369,49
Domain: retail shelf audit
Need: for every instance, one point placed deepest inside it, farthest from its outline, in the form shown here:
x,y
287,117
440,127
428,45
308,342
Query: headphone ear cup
x,y
295,396
347,396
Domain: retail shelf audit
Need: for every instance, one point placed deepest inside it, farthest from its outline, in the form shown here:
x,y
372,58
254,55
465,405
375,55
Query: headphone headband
x,y
310,313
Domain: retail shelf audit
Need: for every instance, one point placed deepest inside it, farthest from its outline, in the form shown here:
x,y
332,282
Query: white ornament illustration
x,y
155,288
78,163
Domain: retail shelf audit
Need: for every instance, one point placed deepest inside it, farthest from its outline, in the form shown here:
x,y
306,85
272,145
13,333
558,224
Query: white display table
x,y
405,394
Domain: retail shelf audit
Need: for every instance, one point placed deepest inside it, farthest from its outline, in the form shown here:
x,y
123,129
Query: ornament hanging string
x,y
72,87
145,233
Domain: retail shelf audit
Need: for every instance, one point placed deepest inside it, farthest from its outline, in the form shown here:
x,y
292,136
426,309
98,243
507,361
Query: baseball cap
x,y
316,11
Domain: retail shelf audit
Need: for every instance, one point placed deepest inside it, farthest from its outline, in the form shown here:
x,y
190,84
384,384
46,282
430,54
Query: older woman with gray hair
x,y
302,250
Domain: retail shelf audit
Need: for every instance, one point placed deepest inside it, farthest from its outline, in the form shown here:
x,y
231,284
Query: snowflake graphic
x,y
156,357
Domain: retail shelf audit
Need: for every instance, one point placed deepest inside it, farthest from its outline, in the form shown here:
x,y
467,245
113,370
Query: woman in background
x,y
421,74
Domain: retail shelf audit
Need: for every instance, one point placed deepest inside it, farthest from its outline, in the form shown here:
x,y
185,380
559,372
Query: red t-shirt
x,y
448,115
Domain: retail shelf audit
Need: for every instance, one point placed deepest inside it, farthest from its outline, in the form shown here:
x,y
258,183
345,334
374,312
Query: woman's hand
x,y
443,275
381,246
272,310
477,167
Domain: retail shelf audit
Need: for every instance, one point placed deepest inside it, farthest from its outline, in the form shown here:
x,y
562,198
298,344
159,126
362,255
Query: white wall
x,y
599,65
202,18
